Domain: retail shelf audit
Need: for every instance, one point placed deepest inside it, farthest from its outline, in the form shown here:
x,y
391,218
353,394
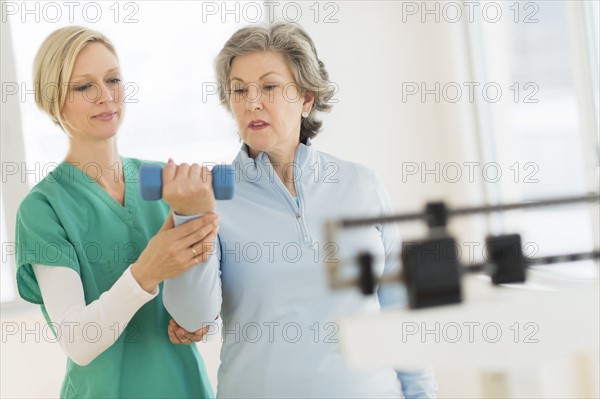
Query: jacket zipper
x,y
297,209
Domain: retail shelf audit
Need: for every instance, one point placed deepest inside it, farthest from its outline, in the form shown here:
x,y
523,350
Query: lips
x,y
105,116
257,124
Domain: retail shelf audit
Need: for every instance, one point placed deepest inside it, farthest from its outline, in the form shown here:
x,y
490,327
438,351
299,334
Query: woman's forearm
x,y
85,331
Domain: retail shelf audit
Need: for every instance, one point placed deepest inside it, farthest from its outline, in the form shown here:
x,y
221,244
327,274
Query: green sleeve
x,y
40,239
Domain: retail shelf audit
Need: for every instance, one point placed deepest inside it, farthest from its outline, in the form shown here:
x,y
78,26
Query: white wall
x,y
370,53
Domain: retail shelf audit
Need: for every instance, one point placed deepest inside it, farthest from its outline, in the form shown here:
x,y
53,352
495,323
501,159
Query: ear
x,y
309,100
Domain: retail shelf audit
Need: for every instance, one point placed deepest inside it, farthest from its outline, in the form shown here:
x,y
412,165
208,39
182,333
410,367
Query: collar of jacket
x,y
302,158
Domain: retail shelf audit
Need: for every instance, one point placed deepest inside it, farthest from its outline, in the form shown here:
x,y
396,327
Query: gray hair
x,y
298,49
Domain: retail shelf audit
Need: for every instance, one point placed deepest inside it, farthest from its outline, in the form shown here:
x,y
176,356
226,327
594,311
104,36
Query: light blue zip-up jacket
x,y
280,337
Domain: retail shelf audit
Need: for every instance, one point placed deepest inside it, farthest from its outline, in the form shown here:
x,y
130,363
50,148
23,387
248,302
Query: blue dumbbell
x,y
223,180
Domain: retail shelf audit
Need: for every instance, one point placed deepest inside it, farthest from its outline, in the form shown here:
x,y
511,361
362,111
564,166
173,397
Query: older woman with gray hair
x,y
278,313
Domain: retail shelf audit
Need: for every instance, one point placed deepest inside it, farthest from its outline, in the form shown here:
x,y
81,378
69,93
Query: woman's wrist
x,y
194,208
147,283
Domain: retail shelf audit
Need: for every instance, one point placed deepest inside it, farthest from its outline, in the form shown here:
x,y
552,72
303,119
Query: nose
x,y
253,98
105,95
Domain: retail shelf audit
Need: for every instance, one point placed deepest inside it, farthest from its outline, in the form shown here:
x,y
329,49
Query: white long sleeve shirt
x,y
87,331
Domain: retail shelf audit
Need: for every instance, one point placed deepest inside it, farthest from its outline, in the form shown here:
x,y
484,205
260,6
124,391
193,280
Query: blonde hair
x,y
298,49
54,63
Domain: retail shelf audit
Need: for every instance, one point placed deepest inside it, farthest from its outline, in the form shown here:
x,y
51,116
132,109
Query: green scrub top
x,y
68,220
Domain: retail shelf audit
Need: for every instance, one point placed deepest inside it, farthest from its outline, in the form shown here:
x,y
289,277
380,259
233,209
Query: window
x,y
7,288
592,22
536,122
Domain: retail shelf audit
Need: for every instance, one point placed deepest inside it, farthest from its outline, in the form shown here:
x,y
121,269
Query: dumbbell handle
x,y
223,180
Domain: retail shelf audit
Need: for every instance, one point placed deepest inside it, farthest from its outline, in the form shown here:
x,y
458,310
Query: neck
x,y
102,162
283,164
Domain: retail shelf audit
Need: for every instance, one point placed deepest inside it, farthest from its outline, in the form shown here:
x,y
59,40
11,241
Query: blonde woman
x,y
92,253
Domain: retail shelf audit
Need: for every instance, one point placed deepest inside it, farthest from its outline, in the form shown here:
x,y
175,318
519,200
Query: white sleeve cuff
x,y
181,219
134,287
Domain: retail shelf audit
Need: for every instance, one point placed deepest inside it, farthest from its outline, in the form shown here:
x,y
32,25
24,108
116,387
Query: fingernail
x,y
170,160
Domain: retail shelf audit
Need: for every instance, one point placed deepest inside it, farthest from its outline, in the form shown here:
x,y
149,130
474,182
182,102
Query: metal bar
x,y
469,210
547,260
524,205
541,261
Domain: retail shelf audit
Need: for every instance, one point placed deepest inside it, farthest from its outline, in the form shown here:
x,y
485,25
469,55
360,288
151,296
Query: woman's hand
x,y
188,188
174,250
178,335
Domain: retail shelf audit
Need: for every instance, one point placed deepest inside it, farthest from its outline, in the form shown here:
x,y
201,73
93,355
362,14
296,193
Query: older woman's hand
x,y
178,335
188,188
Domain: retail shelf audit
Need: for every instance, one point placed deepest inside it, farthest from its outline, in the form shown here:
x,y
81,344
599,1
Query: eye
x,y
82,87
269,87
113,81
238,90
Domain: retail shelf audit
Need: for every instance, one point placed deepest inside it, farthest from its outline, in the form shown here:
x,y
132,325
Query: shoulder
x,y
348,170
37,197
357,181
37,211
42,193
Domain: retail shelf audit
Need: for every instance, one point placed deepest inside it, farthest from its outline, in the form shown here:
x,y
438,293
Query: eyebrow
x,y
87,75
261,78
